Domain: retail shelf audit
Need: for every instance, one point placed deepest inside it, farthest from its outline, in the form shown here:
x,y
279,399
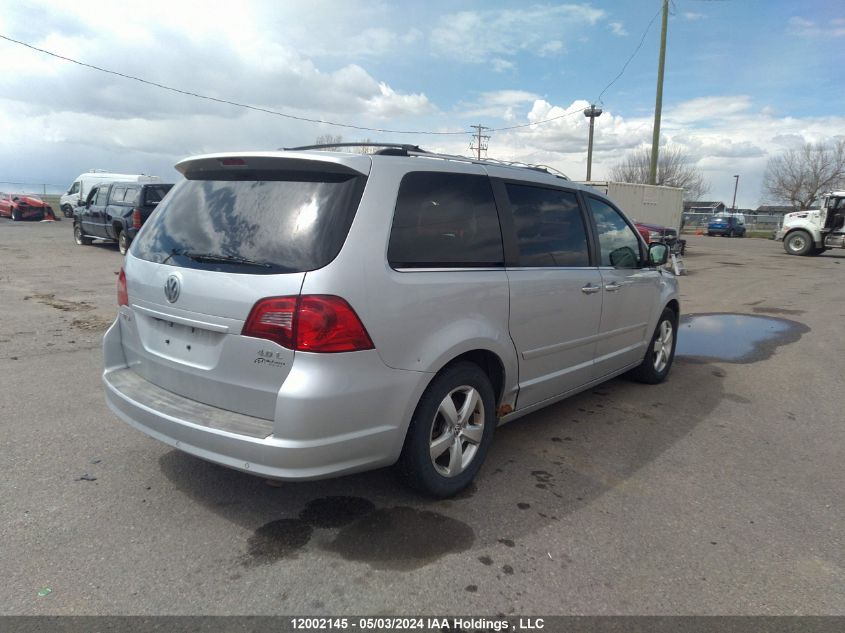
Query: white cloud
x,y
737,137
692,16
617,28
476,36
808,28
501,65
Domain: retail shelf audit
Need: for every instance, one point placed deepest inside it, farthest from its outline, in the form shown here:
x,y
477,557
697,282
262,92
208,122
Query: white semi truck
x,y
814,231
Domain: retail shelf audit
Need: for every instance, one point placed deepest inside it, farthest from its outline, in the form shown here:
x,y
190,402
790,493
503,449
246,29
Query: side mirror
x,y
658,254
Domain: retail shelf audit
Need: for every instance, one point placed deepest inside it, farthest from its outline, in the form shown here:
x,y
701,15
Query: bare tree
x,y
328,139
799,176
674,169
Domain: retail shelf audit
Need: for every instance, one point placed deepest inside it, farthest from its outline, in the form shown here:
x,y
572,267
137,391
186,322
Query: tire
x,y
657,362
730,233
16,215
817,251
798,243
67,211
432,428
79,237
123,242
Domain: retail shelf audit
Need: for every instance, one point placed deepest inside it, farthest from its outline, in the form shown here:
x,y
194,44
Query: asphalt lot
x,y
718,492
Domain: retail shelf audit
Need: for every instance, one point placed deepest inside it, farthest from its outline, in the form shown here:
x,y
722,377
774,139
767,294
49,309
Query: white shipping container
x,y
652,204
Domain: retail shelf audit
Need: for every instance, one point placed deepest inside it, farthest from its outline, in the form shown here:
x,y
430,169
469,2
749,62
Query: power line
x,y
224,101
636,50
554,118
307,119
266,110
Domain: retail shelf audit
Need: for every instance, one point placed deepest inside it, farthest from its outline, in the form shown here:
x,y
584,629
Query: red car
x,y
655,233
19,206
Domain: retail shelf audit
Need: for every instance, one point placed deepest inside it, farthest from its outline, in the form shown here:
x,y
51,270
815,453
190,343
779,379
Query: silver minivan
x,y
306,314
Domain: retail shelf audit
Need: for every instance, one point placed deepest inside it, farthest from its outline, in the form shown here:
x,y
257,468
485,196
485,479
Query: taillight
x,y
310,323
136,218
122,292
272,319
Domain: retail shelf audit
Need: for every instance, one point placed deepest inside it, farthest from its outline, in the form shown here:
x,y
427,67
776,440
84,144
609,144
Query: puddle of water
x,y
735,338
276,540
402,538
333,512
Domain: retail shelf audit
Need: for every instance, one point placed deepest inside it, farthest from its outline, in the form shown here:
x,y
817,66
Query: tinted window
x,y
117,194
280,221
549,227
619,245
74,188
154,193
131,195
102,195
445,220
92,195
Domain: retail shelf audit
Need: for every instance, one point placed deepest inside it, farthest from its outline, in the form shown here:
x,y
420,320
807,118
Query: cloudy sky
x,y
745,80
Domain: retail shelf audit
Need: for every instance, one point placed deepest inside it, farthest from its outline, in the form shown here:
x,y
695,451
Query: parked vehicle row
x,y
116,211
79,190
306,314
20,206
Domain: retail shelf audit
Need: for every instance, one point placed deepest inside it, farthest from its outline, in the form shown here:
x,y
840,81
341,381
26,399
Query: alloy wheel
x,y
456,431
663,346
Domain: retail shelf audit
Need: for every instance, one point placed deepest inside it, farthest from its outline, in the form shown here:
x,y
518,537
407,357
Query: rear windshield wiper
x,y
224,259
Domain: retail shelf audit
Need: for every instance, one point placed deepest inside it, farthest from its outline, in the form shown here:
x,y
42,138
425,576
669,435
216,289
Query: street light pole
x,y
736,184
591,113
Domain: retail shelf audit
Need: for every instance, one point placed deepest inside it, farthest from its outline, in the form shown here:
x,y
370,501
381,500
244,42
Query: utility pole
x,y
591,113
736,184
479,140
658,102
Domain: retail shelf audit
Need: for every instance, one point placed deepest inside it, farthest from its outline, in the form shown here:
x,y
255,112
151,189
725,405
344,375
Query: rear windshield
x,y
154,193
278,222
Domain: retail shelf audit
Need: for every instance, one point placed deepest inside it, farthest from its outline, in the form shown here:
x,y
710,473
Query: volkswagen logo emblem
x,y
172,288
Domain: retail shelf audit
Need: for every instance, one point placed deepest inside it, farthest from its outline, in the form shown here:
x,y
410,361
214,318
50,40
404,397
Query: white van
x,y
80,188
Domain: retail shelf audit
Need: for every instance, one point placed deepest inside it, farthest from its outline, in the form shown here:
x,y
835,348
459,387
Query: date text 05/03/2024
x,y
416,624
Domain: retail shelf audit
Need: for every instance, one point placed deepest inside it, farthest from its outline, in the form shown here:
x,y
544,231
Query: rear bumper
x,y
336,414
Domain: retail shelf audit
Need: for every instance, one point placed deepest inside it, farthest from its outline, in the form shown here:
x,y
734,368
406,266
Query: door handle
x,y
612,286
590,289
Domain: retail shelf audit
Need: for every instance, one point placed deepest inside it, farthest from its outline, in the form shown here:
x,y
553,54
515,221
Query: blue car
x,y
726,226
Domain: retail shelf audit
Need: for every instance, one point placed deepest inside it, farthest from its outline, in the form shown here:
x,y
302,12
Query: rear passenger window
x,y
445,220
549,227
132,195
117,194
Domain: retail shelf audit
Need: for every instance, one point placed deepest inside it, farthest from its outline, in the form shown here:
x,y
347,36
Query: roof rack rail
x,y
403,147
406,149
495,161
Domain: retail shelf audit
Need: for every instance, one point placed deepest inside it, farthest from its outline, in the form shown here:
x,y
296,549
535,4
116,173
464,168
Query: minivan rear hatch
x,y
238,229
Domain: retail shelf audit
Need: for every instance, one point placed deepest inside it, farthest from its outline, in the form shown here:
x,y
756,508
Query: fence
x,y
691,222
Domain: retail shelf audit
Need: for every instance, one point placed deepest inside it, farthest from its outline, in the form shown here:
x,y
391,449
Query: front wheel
x,y
798,243
67,211
661,351
450,432
16,215
79,236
